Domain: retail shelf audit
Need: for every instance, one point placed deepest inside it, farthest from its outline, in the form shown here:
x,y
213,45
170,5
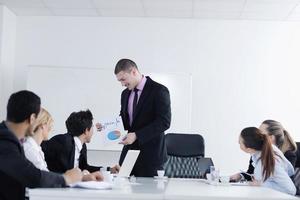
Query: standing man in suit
x,y
16,172
146,114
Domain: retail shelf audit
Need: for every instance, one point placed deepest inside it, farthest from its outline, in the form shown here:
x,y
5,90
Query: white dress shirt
x,y
34,153
78,147
280,180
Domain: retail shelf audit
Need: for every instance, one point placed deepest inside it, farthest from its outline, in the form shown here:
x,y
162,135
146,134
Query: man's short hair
x,y
21,105
125,65
78,122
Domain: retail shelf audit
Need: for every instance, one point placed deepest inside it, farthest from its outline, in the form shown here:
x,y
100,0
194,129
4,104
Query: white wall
x,y
7,56
243,71
247,72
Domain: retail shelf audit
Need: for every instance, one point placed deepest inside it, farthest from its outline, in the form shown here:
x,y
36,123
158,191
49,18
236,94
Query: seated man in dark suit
x,y
66,151
16,172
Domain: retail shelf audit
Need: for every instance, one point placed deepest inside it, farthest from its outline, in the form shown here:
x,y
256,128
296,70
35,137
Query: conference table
x,y
162,189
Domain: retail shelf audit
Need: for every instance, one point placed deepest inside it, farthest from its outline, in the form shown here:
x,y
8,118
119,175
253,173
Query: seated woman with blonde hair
x,y
32,148
281,138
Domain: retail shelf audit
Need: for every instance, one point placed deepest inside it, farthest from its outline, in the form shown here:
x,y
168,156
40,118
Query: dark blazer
x,y
60,152
151,118
16,172
291,156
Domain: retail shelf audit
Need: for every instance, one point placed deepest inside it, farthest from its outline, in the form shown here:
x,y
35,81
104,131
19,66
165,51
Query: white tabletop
x,y
142,188
171,189
183,189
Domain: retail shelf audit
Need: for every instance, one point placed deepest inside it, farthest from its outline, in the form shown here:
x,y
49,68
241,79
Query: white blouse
x,y
34,153
78,147
280,179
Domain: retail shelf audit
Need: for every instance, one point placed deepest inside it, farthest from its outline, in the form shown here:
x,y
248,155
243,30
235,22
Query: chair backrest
x,y
185,145
184,152
296,177
296,180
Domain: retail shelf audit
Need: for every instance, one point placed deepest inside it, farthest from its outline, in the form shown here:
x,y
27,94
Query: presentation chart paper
x,y
113,131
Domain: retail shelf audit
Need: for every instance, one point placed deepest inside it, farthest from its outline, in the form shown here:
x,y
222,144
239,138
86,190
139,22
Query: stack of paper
x,y
97,185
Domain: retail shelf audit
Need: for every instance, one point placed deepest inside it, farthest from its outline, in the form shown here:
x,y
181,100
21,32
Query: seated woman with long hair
x,y
271,168
32,148
281,138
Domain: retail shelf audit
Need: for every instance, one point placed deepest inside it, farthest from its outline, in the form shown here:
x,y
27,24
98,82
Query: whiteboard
x,y
64,90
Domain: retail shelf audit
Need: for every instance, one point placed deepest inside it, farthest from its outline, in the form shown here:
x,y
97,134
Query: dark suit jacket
x,y
16,172
291,156
151,118
60,152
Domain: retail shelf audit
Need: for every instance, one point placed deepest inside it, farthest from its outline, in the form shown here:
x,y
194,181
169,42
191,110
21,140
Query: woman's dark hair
x,y
253,138
78,122
21,105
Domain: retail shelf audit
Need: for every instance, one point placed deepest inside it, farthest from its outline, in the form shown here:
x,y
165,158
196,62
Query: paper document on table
x,y
96,185
240,183
113,131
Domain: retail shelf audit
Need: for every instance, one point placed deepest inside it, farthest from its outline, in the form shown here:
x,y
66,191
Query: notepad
x,y
96,185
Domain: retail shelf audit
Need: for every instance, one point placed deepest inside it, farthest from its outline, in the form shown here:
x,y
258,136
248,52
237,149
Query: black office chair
x,y
184,152
297,170
298,155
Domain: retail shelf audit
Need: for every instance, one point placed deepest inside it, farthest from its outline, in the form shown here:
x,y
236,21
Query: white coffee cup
x,y
107,176
160,173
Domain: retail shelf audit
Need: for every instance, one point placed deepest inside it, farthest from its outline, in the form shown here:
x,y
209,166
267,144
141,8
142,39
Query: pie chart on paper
x,y
114,135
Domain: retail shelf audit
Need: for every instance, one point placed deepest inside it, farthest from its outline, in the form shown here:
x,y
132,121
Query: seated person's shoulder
x,y
290,155
56,141
9,145
7,138
61,138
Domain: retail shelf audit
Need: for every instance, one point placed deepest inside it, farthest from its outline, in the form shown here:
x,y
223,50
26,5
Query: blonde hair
x,y
43,118
283,139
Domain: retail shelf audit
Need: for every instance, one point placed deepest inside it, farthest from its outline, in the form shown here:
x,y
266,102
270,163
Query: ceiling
x,y
283,10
